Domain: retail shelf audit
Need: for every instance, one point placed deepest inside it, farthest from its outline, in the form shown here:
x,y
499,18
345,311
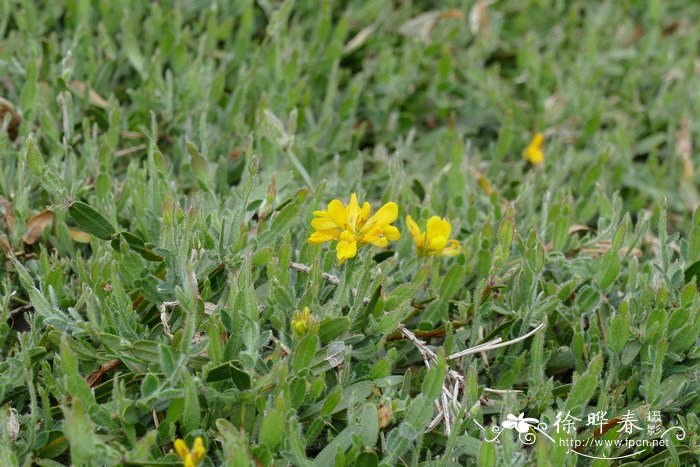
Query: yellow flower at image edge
x,y
435,241
353,226
302,321
191,458
533,152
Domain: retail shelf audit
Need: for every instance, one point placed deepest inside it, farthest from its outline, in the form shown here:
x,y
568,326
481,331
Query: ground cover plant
x,y
349,233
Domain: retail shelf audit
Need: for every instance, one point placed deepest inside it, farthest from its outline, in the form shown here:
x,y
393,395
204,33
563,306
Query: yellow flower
x,y
436,238
533,152
190,458
353,226
302,321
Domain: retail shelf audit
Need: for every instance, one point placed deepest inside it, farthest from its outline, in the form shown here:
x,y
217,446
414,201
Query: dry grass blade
x,y
8,211
94,98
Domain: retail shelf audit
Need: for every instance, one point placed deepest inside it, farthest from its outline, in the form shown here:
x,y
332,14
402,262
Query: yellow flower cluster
x,y
191,458
302,322
533,152
352,226
435,240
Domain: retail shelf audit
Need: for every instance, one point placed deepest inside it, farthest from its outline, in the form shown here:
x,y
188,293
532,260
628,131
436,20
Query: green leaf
x,y
432,385
619,237
34,160
367,459
451,283
487,454
272,429
341,441
330,328
369,425
149,385
297,391
200,166
608,269
304,353
286,216
91,221
262,257
617,334
330,403
419,412
138,245
191,415
692,271
506,231
584,385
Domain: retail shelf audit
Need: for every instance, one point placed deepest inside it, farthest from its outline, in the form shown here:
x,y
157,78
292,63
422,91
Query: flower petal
x,y
364,214
437,243
510,424
437,227
346,250
375,239
522,427
353,213
323,223
413,228
337,213
323,236
198,450
391,233
537,140
386,214
453,248
181,449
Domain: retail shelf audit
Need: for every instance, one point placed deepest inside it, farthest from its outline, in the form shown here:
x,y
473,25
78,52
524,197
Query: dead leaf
x,y
11,424
95,377
8,211
423,24
636,252
209,308
4,244
131,150
384,416
94,98
131,135
36,226
357,41
479,18
79,236
6,107
483,181
637,33
579,228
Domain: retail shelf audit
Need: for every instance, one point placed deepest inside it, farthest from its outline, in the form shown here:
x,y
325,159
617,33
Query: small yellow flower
x,y
435,241
533,152
190,458
302,321
352,226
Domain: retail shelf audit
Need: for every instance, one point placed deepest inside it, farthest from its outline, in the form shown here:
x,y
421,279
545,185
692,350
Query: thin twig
x,y
335,280
494,345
